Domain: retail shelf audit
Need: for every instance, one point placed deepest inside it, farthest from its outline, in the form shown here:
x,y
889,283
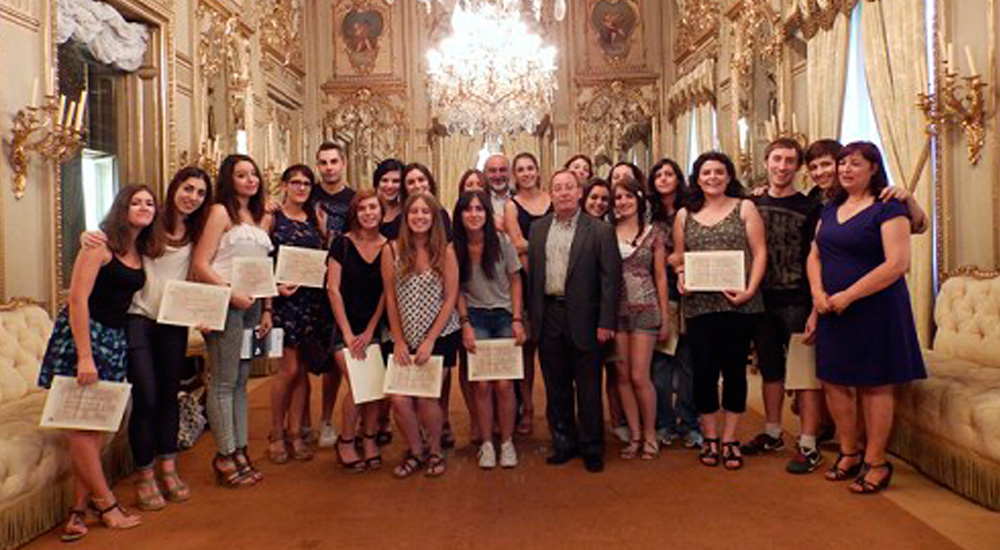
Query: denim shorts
x,y
491,323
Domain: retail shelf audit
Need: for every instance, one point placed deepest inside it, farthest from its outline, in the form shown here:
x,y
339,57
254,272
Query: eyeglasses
x,y
299,183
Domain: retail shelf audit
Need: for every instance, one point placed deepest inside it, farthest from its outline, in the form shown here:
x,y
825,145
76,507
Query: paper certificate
x,y
496,360
367,376
253,277
714,271
800,367
301,266
415,380
194,304
97,407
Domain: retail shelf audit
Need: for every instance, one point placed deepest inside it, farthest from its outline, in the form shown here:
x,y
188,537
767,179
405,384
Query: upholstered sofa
x,y
35,487
948,425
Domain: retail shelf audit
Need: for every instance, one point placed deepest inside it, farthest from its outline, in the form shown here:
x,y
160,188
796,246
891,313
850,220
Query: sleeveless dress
x,y
727,234
108,303
873,342
639,306
525,220
300,314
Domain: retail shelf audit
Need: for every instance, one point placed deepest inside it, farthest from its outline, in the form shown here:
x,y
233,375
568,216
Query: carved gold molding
x,y
18,302
809,16
699,20
377,128
973,271
281,30
752,37
614,111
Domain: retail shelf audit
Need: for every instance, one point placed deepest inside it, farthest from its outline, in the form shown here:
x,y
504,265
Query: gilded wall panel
x,y
363,32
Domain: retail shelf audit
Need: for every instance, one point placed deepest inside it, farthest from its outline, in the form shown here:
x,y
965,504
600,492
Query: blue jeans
x,y
227,387
491,324
672,376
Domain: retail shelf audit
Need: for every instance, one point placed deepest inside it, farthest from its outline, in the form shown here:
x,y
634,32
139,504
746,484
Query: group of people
x,y
585,273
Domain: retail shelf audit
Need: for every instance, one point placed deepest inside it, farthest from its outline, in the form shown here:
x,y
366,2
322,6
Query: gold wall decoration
x,y
371,126
614,116
224,43
758,32
810,16
959,100
59,137
281,30
699,19
361,25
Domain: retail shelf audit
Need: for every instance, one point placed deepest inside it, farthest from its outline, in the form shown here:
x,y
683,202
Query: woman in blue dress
x,y
866,341
88,339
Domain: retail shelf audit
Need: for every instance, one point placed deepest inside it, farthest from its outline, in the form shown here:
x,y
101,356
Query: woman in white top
x,y
234,229
155,351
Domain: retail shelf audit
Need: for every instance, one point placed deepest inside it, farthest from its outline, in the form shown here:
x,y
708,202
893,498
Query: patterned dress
x,y
639,306
108,303
420,297
300,315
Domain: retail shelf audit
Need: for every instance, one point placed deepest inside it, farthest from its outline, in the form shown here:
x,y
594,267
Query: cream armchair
x,y
35,491
948,425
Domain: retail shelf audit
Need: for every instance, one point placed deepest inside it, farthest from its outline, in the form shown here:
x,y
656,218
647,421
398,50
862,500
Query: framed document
x,y
96,407
415,380
367,376
496,360
714,271
800,366
301,266
253,277
189,304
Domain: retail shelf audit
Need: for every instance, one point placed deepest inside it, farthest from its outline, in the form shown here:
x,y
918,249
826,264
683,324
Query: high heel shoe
x,y
76,525
148,493
353,466
242,460
228,473
836,473
174,489
862,486
373,462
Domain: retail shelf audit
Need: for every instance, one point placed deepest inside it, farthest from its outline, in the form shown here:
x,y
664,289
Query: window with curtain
x,y
858,123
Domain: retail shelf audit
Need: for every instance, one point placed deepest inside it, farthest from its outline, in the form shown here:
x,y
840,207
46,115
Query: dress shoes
x,y
593,463
562,456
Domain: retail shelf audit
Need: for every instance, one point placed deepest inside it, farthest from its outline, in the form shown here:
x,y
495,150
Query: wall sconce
x,y
745,156
957,100
60,137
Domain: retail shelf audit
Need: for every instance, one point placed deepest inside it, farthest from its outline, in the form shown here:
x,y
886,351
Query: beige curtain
x,y
706,130
896,66
457,154
682,139
826,77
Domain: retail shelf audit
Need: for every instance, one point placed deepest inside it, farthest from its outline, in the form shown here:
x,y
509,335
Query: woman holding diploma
x,y
88,339
298,311
643,313
156,351
866,343
489,306
354,288
719,324
234,229
420,277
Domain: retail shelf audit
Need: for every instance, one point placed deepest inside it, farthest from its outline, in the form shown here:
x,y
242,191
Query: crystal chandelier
x,y
492,76
558,6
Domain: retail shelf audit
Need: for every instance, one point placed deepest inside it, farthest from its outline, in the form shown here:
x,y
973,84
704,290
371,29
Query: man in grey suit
x,y
574,284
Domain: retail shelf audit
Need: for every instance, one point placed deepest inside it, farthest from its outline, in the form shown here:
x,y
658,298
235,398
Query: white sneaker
x,y
327,436
622,433
508,454
487,456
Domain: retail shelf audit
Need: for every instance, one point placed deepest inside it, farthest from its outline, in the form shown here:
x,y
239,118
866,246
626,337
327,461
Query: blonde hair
x,y
437,239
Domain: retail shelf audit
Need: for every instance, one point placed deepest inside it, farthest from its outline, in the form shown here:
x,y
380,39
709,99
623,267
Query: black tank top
x,y
112,294
525,218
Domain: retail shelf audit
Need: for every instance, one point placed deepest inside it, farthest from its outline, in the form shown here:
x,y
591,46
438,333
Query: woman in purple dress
x,y
865,338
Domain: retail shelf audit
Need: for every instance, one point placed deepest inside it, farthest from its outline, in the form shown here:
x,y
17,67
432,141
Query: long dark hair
x,y
530,157
225,192
658,212
580,156
634,188
437,239
696,197
195,221
310,205
386,166
868,151
149,241
491,240
597,182
636,171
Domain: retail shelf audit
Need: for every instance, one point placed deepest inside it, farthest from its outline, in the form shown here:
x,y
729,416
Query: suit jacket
x,y
593,279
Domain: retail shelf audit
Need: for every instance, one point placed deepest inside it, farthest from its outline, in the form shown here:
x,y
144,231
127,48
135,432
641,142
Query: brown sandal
x,y
300,451
436,466
277,449
228,473
242,460
410,465
630,450
650,449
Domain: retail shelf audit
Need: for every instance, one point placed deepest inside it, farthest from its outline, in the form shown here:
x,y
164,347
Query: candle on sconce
x,y
79,111
744,130
62,110
795,125
70,115
972,63
951,56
